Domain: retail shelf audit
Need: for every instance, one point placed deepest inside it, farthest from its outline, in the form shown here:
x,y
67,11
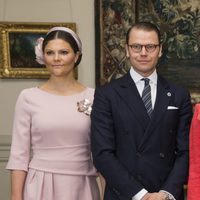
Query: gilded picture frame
x,y
17,40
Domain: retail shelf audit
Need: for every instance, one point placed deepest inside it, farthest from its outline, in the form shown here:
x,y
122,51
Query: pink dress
x,y
51,141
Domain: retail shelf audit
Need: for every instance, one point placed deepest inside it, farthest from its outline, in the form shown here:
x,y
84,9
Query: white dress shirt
x,y
140,83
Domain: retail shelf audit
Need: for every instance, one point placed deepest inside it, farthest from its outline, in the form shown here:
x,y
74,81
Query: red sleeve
x,y
194,169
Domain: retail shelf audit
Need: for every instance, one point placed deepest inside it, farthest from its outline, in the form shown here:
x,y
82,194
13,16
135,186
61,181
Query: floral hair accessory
x,y
85,106
39,51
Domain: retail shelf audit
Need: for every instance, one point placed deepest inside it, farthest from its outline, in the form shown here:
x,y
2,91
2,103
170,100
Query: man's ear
x,y
160,51
127,52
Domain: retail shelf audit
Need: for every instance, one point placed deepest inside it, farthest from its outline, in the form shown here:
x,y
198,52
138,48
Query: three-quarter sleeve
x,y
20,147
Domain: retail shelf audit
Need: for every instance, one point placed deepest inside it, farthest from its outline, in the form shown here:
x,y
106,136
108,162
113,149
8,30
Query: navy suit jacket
x,y
132,151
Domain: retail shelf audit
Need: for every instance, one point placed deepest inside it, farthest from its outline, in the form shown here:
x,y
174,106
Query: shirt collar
x,y
137,77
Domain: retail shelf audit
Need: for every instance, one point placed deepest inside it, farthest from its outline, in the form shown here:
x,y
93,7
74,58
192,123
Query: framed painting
x,y
17,41
179,22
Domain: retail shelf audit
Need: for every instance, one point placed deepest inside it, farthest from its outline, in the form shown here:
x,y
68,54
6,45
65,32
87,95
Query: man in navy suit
x,y
141,146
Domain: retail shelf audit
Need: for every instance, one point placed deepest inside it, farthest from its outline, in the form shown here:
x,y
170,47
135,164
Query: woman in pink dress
x,y
50,156
194,166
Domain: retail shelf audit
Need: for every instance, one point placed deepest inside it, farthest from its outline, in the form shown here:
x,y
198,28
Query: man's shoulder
x,y
109,89
170,83
116,82
173,87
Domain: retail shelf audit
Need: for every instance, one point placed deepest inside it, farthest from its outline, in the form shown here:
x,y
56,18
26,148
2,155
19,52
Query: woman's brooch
x,y
85,106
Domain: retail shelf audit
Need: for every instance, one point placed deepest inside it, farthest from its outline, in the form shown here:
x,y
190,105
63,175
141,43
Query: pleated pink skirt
x,y
42,185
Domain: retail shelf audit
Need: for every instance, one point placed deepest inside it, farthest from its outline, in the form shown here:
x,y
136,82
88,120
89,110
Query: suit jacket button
x,y
138,154
126,132
116,191
139,177
162,155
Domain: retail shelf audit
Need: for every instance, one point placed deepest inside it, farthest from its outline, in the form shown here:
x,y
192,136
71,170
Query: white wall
x,y
79,11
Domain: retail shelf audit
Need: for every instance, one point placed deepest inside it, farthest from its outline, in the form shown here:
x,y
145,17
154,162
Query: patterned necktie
x,y
146,96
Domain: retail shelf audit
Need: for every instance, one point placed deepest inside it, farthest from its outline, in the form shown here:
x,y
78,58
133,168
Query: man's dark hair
x,y
146,26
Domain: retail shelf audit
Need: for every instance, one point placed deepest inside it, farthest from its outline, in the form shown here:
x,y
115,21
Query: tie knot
x,y
146,81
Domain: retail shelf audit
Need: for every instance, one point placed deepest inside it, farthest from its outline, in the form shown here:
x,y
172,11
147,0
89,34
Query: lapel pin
x,y
169,94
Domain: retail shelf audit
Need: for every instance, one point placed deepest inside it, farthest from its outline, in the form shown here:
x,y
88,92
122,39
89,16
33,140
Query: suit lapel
x,y
162,101
129,93
127,90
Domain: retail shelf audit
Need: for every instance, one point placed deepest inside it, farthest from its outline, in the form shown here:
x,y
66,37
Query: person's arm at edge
x,y
17,184
20,148
193,190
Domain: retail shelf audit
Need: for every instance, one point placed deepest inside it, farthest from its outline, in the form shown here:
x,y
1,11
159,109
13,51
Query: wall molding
x,y
5,141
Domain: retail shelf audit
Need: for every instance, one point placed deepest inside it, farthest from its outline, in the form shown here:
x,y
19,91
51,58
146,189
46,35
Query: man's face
x,y
143,59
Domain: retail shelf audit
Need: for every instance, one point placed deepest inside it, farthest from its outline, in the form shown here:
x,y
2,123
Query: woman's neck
x,y
62,86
